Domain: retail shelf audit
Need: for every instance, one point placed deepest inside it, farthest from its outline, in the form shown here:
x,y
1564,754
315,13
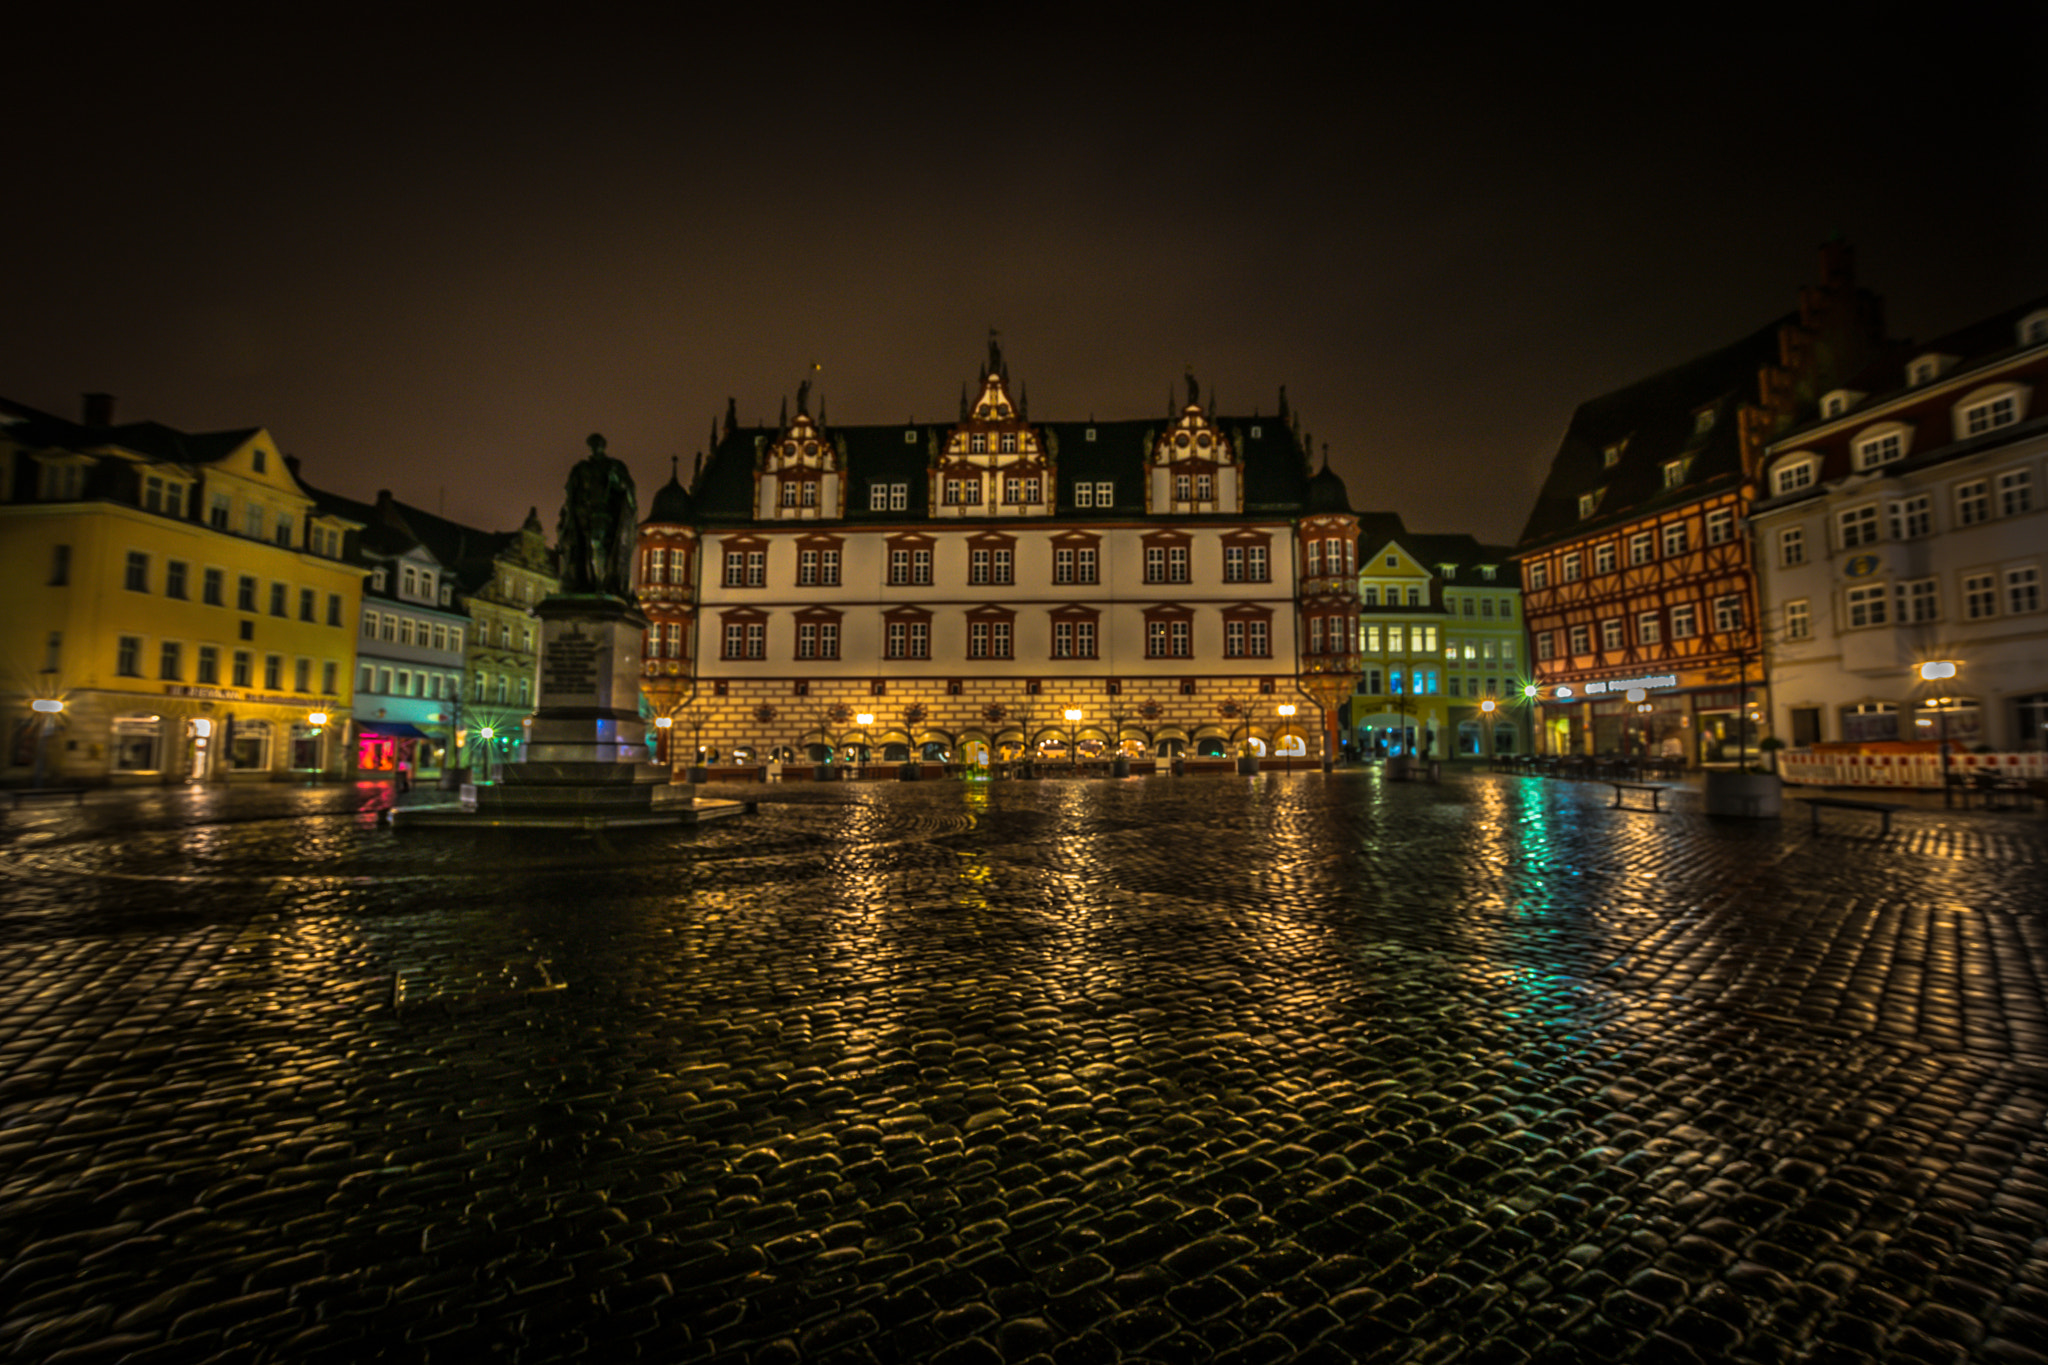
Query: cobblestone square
x,y
1301,1067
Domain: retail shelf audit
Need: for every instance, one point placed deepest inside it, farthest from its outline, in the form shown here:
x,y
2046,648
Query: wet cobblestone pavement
x,y
1300,1068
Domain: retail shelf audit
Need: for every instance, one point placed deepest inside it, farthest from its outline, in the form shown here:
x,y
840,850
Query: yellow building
x,y
1440,635
178,596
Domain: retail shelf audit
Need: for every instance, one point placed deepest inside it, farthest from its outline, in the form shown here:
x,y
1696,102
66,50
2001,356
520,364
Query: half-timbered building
x,y
1637,577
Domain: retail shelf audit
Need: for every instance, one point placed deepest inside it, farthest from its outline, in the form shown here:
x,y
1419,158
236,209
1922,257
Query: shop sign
x,y
1649,684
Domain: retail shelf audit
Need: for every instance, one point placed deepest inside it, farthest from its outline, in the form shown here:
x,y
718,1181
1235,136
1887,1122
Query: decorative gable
x,y
801,475
993,463
1194,466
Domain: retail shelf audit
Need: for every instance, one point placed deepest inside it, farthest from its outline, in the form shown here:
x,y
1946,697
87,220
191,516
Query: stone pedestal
x,y
586,751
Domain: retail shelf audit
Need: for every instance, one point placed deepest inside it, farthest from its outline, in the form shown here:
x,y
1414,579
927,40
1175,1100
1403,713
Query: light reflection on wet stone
x,y
1155,1070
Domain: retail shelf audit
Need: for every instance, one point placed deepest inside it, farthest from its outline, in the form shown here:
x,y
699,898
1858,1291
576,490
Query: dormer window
x,y
1703,421
1838,402
1589,503
977,444
1674,473
1486,572
376,580
1988,415
1449,570
1008,443
910,437
1882,445
257,458
1925,370
1611,456
1792,475
2034,328
1088,435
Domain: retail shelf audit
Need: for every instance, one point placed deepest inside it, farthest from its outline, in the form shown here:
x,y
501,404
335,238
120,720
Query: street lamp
x,y
1073,715
1486,710
488,734
662,725
1939,670
1286,710
49,708
864,720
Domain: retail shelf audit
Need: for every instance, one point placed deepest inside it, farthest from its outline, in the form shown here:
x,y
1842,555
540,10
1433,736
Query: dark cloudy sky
x,y
431,254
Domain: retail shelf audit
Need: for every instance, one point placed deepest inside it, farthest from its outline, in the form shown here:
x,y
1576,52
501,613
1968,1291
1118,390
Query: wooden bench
x,y
1884,808
21,794
1620,788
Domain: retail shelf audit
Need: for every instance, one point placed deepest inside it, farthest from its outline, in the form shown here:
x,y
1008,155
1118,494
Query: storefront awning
x,y
394,729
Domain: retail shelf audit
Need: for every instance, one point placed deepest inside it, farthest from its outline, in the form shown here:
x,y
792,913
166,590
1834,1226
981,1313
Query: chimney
x,y
99,409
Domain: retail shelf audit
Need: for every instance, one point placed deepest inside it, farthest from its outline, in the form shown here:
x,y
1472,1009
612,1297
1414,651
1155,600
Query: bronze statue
x,y
598,527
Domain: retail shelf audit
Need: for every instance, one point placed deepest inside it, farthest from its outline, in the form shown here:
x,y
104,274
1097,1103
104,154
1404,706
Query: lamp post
x,y
1286,710
1073,715
1486,710
662,725
49,708
864,720
489,735
1938,670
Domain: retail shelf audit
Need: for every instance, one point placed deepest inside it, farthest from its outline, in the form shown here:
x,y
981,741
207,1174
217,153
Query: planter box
x,y
1745,796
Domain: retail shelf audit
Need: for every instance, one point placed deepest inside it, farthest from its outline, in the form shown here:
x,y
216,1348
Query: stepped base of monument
x,y
572,795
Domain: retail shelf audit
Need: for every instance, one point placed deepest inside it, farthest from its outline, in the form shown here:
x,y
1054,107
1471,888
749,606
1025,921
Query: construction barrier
x,y
1904,770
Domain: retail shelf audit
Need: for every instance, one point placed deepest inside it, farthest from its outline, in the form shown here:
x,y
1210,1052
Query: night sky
x,y
431,256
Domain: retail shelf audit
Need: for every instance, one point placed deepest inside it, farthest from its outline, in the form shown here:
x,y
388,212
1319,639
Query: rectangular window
x,y
1255,564
1105,494
1799,620
273,672
308,602
217,512
977,639
1727,614
2023,589
170,664
1649,629
136,577
329,673
878,497
1177,564
899,497
807,568
1582,640
1603,557
209,665
735,640
1610,635
1155,640
789,492
828,568
977,566
334,612
370,622
1792,546
1234,639
1857,526
1205,488
283,534
1720,526
1182,640
1639,548
1980,596
1880,450
1545,645
1261,641
920,569
735,569
757,639
1539,574
1183,487
1063,564
1571,566
1674,539
1912,517
241,674
1063,637
1867,606
1999,412
2015,492
898,646
302,676
1973,502
1684,622
1233,564
1918,601
455,639
757,568
1315,635
407,630
1155,563
899,567
1674,473
1792,477
1397,639
212,588
278,600
252,521
1084,495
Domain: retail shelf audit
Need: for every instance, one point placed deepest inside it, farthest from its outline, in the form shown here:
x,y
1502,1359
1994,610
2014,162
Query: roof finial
x,y
1194,389
732,416
674,461
803,397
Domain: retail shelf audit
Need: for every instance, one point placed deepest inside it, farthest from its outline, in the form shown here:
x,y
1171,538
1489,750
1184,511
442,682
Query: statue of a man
x,y
598,527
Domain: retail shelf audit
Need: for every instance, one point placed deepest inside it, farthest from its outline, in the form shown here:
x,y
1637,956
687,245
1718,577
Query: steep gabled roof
x,y
1276,469
1653,421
